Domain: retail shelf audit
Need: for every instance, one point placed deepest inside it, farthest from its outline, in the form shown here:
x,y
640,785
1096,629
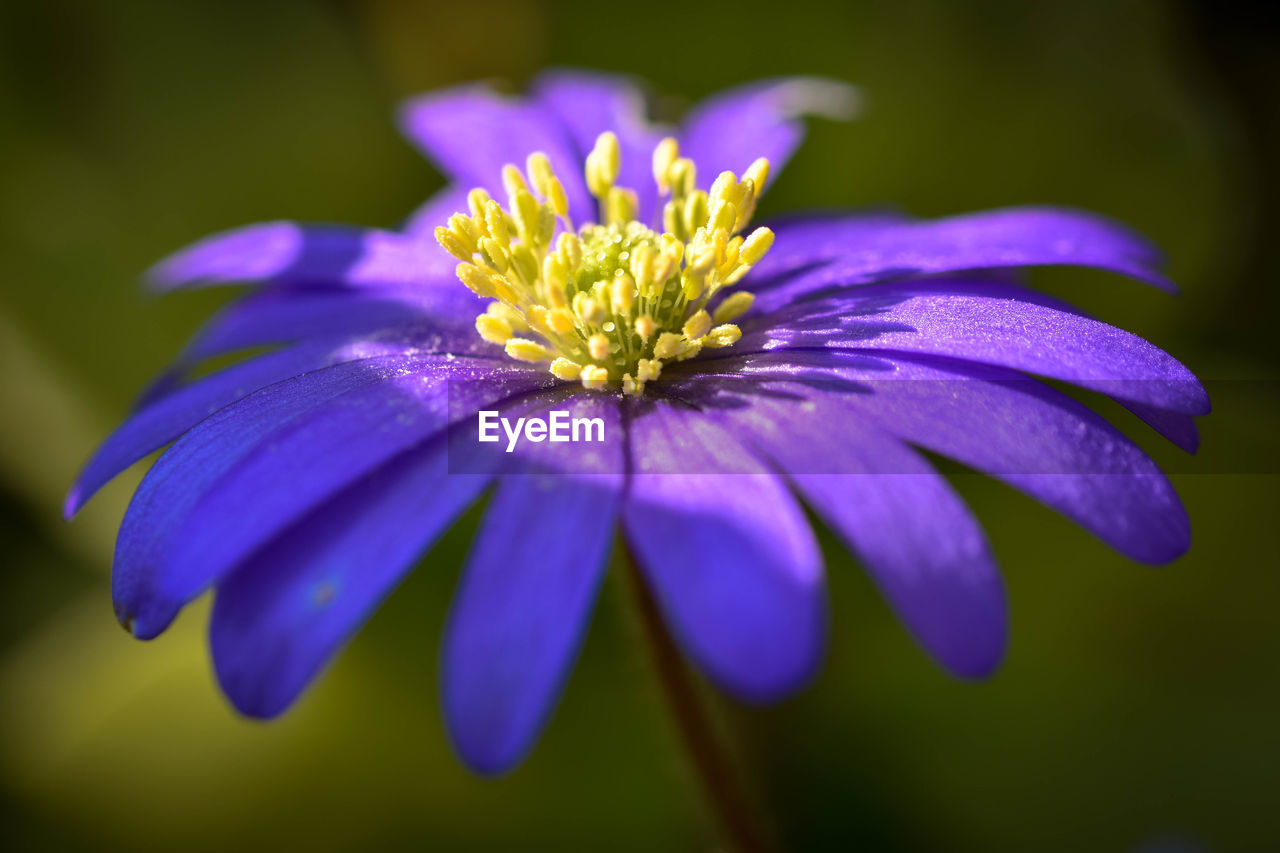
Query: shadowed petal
x,y
913,533
523,605
996,421
988,322
729,556
286,610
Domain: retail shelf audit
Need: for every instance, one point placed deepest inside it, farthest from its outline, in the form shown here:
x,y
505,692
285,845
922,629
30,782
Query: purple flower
x,y
303,483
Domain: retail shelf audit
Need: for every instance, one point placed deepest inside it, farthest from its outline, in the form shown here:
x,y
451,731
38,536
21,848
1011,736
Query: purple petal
x,y
917,539
434,319
146,599
588,104
172,414
299,466
1014,237
729,556
1013,428
285,611
731,129
286,252
991,323
471,132
522,609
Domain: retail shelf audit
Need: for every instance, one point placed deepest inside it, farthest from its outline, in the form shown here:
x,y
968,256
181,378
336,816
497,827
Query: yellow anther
x,y
758,174
673,218
524,263
593,377
557,199
561,320
733,307
633,387
477,199
695,211
461,225
493,329
722,216
642,267
722,336
610,153
668,344
588,310
508,315
523,349
683,177
648,369
724,188
645,327
688,349
453,244
554,278
512,182
755,246
477,279
692,282
540,172
524,207
495,222
620,206
598,346
563,368
697,325
569,250
664,155
623,293
494,254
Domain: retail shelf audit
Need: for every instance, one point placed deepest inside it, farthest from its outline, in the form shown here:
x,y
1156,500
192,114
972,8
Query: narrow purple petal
x,y
172,414
146,599
526,596
1014,237
731,129
286,252
286,610
470,132
991,323
299,466
729,556
917,539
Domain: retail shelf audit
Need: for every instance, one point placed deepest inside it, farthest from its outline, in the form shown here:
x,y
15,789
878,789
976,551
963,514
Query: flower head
x,y
615,300
303,483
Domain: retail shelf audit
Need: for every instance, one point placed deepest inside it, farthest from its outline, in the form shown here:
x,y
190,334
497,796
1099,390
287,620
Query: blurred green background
x,y
1139,709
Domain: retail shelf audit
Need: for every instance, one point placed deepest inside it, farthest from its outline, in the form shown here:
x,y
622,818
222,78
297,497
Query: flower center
x,y
609,302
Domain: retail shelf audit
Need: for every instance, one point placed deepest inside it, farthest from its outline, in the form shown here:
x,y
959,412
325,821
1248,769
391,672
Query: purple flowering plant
x,y
740,374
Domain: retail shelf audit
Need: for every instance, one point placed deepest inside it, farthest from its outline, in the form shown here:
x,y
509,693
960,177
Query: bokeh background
x,y
1139,709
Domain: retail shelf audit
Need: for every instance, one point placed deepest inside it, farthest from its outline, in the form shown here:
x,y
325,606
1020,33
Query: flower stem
x,y
706,755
